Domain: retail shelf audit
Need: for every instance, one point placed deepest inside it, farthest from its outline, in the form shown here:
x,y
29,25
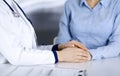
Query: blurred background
x,y
45,16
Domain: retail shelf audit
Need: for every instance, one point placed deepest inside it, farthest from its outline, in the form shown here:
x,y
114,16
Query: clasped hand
x,y
73,51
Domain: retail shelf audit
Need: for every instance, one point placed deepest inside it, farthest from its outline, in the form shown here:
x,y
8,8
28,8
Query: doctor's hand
x,y
72,44
73,55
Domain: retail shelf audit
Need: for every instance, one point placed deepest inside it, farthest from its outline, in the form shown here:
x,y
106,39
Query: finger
x,y
71,45
88,57
82,58
74,44
82,55
78,45
81,52
79,61
81,47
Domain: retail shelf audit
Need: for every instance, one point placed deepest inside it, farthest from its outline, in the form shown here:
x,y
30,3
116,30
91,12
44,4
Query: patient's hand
x,y
73,55
72,44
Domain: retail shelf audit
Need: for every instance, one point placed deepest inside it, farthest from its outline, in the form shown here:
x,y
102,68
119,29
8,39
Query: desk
x,y
106,67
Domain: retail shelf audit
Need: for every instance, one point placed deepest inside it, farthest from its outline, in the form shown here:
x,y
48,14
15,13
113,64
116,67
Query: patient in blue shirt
x,y
94,24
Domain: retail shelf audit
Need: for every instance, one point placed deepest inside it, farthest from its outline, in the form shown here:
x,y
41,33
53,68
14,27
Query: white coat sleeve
x,y
18,55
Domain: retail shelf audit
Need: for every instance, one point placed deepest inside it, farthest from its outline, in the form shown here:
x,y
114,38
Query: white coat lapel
x,y
23,16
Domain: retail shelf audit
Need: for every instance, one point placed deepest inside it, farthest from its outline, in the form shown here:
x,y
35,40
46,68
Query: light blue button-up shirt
x,y
98,28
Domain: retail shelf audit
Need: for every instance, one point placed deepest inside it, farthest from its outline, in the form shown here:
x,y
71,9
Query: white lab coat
x,y
17,40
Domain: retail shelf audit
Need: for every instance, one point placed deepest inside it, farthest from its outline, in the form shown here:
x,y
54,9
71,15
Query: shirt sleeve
x,y
17,54
64,33
112,49
12,47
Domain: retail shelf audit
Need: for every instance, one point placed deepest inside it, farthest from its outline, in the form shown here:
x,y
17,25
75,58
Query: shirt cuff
x,y
95,55
55,55
55,47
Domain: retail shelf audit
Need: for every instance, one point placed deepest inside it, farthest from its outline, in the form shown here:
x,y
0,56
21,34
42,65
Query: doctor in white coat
x,y
18,42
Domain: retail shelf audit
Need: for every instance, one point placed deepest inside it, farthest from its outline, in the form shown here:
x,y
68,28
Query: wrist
x,y
60,59
60,46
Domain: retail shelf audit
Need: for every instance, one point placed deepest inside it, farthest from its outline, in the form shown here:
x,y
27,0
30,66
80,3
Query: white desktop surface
x,y
106,67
